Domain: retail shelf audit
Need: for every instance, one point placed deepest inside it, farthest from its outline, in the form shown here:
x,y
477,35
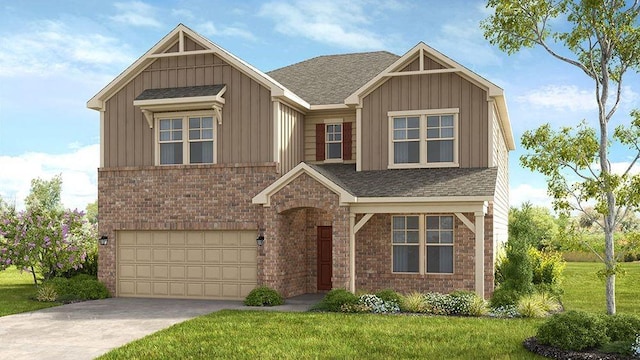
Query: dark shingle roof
x,y
331,79
411,182
180,92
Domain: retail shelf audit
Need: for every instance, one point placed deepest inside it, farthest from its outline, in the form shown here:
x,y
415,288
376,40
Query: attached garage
x,y
186,264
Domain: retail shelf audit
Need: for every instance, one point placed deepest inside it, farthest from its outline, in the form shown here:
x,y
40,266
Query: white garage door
x,y
186,264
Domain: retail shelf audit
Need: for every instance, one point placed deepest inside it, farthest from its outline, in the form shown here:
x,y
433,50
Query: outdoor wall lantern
x,y
104,239
260,238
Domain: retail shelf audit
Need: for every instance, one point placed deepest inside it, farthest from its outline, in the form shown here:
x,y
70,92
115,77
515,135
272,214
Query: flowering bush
x,y
437,304
635,348
377,305
505,311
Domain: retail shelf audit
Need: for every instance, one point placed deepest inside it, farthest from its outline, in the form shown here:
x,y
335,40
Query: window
x,y
423,138
413,233
334,141
185,139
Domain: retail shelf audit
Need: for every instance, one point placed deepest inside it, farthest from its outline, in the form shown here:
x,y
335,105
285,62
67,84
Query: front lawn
x,y
273,335
583,290
17,292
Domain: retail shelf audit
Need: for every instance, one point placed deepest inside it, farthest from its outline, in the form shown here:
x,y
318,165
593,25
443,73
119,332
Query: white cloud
x,y
463,40
331,22
50,47
136,13
182,13
571,98
522,193
209,29
78,169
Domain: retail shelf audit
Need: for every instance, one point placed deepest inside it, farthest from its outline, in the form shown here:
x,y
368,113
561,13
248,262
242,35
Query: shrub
x,y
465,303
507,311
621,327
504,296
263,296
547,270
389,295
334,300
46,293
414,303
378,305
437,304
78,288
635,347
537,305
573,330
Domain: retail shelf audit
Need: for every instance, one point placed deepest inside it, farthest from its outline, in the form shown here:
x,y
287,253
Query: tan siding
x,y
318,117
291,137
501,199
433,91
244,137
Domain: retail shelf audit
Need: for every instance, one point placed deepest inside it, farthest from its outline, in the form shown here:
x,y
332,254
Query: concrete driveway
x,y
89,329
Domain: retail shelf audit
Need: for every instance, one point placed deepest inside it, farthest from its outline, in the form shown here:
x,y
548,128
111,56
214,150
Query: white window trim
x,y
326,142
423,138
185,136
422,243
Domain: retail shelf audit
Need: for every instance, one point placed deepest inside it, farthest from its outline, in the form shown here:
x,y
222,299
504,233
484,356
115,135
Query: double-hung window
x,y
423,138
422,244
185,139
333,141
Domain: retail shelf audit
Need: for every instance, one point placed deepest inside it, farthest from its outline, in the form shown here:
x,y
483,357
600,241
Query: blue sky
x,y
55,55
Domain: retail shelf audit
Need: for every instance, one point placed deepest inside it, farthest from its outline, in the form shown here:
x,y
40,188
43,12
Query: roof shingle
x,y
180,92
331,79
432,182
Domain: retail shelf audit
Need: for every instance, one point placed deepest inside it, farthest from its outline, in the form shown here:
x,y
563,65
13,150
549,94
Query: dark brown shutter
x,y
346,141
320,142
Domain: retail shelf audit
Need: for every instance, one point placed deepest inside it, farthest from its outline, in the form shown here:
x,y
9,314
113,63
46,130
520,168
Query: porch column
x,y
352,252
479,268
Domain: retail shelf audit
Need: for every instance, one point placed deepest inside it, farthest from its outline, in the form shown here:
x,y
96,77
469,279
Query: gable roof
x,y
180,92
176,36
330,79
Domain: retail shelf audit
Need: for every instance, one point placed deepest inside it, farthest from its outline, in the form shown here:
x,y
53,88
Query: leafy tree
x,y
45,194
603,42
92,212
534,225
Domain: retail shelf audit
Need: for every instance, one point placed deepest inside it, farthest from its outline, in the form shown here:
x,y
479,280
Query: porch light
x,y
260,238
104,239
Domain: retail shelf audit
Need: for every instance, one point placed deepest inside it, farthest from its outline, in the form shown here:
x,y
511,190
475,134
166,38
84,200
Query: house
x,y
359,171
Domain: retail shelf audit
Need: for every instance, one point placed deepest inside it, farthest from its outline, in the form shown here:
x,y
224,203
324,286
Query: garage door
x,y
186,264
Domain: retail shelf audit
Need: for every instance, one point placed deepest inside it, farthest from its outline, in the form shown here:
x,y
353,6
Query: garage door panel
x,y
186,264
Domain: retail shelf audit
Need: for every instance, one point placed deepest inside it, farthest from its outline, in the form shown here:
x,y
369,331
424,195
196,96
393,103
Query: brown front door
x,y
324,257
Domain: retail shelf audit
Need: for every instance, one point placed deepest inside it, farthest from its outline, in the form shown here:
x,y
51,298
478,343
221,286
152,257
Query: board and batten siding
x,y
501,197
421,92
291,137
319,117
246,133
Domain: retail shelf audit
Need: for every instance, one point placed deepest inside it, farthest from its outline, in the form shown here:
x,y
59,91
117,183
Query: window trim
x,y
422,243
333,121
185,115
422,114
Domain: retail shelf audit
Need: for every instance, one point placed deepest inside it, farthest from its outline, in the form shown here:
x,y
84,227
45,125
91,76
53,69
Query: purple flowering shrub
x,y
48,243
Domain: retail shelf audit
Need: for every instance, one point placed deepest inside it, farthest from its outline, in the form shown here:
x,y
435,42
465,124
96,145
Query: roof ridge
x,y
333,55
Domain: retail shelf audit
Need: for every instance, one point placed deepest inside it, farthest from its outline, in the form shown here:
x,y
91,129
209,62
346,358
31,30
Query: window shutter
x,y
320,135
346,141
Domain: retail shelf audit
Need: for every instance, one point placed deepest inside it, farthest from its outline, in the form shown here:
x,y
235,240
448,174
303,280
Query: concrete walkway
x,y
89,329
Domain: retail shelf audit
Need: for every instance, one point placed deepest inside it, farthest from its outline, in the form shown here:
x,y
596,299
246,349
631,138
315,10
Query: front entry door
x,y
325,265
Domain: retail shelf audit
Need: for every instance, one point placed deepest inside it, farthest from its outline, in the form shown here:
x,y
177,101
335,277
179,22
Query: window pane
x,y
413,222
207,134
413,237
176,123
330,136
413,122
440,151
334,151
398,222
165,136
446,222
446,132
433,237
398,237
446,237
405,258
207,122
414,152
338,137
201,152
440,259
447,120
194,134
406,152
171,153
400,123
165,124
433,133
433,222
433,121
194,123
337,128
176,135
413,134
399,134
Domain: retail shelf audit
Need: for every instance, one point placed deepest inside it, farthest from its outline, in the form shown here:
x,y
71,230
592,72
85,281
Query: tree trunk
x,y
35,279
610,265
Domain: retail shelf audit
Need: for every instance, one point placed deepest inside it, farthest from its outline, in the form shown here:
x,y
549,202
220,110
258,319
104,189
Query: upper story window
x,y
334,141
423,138
186,138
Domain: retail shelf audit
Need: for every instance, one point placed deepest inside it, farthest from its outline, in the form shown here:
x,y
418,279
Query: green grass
x,y
273,335
583,290
16,293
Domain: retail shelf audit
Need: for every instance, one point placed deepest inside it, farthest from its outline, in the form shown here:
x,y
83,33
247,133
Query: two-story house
x,y
356,171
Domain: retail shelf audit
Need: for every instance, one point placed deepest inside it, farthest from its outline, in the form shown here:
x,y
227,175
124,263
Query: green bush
x,y
538,305
464,303
414,303
504,296
89,266
263,296
573,330
78,288
621,327
388,295
335,299
46,293
437,304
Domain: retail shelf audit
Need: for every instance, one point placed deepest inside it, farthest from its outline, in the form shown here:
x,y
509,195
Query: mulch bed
x,y
532,345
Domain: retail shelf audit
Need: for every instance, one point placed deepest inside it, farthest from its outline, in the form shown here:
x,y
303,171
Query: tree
x,y
92,212
45,194
603,42
534,224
